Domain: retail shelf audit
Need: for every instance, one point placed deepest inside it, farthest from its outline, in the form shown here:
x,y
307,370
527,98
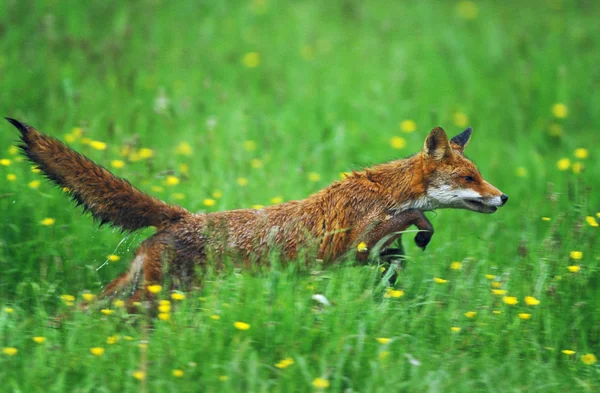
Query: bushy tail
x,y
110,199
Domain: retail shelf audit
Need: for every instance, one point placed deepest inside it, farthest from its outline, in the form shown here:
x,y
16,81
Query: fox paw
x,y
423,238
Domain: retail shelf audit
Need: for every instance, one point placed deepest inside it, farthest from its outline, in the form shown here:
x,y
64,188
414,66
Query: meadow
x,y
237,104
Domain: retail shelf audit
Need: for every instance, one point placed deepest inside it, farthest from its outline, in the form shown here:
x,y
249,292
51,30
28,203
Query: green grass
x,y
334,81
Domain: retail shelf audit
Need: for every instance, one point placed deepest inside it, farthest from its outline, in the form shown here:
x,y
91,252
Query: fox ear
x,y
436,145
460,141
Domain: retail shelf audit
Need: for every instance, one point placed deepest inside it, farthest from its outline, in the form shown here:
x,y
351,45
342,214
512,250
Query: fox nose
x,y
503,198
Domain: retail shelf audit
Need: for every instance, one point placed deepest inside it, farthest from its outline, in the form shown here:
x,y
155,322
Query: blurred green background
x,y
234,104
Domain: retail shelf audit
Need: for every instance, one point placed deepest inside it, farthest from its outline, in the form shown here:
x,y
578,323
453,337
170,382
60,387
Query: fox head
x,y
452,180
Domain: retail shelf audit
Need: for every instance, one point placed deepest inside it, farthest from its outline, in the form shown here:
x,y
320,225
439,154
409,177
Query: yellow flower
x,y
490,276
70,138
563,164
113,257
177,373
284,363
499,292
13,150
496,284
568,352
145,152
164,316
455,329
38,339
35,169
97,351
581,153
383,340
408,126
467,10
67,298
249,145
393,293
251,59
184,168
560,111
11,177
577,167
531,301
258,207
88,297
223,378
184,149
164,308
546,218
510,300
139,375
5,162
242,181
98,145
110,340
397,142
314,177
10,351
34,184
574,268
9,310
241,325
320,383
470,314
524,315
440,280
119,303
177,296
209,202
256,163
576,255
154,289
48,221
276,200
217,194
107,311
589,359
591,220
460,119
77,132
456,266
362,247
521,172
172,180
215,317
117,164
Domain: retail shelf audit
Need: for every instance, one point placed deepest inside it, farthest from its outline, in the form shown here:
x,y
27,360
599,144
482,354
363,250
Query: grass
x,y
274,93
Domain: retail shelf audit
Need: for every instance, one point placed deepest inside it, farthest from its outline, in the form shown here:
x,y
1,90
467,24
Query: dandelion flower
x,y
35,169
470,314
184,149
9,310
13,150
10,351
408,126
510,300
48,221
251,59
314,177
440,280
276,200
97,351
139,375
467,10
574,268
393,293
119,303
241,325
35,184
531,301
577,167
164,308
11,177
320,383
257,207
88,297
117,164
113,257
249,145
209,202
256,163
546,219
496,284
107,311
581,153
145,152
39,339
460,119
177,373
177,296
362,247
499,292
284,363
521,172
568,352
184,168
560,111
576,255
589,359
154,289
164,316
97,145
563,164
397,142
5,162
383,340
455,329
223,378
215,317
524,315
591,220
172,180
456,266
242,181
67,298
490,276
110,340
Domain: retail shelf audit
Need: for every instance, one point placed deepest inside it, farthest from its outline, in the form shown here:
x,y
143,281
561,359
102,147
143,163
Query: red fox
x,y
368,208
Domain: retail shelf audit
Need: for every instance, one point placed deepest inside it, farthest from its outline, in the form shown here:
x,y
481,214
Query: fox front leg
x,y
391,224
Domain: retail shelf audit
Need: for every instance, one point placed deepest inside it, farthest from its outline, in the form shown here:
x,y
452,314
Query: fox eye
x,y
469,178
